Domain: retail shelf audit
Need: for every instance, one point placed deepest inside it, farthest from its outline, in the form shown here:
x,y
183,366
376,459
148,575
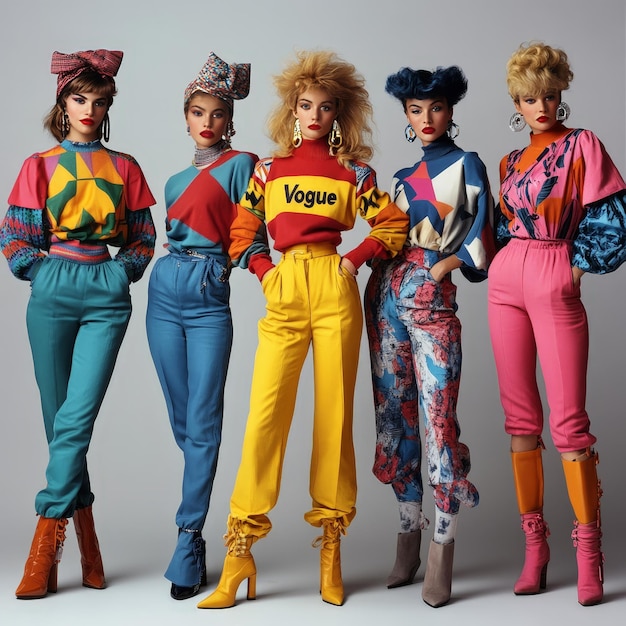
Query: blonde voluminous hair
x,y
324,70
535,68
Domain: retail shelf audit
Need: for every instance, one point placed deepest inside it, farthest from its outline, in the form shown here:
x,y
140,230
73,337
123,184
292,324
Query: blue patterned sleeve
x,y
478,246
22,240
600,246
139,249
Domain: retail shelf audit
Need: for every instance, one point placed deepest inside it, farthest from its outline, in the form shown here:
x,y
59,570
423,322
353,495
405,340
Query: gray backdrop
x,y
135,466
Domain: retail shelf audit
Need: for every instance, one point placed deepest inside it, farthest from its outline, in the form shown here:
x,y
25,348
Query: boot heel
x,y
252,587
544,577
52,579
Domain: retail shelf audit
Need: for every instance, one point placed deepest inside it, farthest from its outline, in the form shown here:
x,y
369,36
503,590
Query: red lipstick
x,y
314,127
207,134
542,119
87,121
429,130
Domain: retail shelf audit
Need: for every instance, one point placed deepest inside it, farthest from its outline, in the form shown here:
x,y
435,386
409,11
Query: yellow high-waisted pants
x,y
308,302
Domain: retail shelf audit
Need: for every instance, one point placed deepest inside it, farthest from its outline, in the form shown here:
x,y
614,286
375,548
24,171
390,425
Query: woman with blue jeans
x,y
188,320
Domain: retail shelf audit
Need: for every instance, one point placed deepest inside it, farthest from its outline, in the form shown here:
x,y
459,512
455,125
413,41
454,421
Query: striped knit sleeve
x,y
22,240
389,224
136,254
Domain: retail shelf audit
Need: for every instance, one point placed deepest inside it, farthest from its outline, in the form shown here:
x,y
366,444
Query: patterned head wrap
x,y
217,78
69,66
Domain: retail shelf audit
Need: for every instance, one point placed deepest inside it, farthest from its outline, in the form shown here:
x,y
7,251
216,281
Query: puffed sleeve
x,y
478,247
600,245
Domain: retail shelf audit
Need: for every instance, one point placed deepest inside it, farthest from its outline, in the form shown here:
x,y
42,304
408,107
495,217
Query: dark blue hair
x,y
447,82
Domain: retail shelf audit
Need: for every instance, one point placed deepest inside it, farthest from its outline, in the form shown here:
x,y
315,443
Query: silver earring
x,y
188,130
297,134
106,127
409,133
230,132
562,112
65,125
517,122
453,130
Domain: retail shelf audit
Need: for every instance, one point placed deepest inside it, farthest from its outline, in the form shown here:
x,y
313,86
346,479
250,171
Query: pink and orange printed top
x,y
564,186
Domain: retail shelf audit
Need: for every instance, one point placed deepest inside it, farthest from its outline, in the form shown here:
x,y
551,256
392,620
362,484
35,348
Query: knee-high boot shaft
x,y
583,488
529,487
40,571
238,566
90,558
331,583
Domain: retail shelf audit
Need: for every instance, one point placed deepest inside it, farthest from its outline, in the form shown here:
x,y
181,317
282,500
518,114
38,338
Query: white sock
x,y
445,527
411,517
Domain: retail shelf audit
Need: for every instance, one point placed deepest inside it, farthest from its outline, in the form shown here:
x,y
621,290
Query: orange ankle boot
x,y
90,558
40,571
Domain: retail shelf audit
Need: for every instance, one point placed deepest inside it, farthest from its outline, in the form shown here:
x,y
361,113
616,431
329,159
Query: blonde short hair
x,y
536,68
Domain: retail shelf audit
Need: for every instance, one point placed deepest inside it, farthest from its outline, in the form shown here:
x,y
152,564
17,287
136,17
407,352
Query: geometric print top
x,y
79,192
86,190
564,186
201,204
449,203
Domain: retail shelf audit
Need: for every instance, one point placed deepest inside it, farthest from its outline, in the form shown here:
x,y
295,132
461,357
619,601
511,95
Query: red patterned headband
x,y
69,66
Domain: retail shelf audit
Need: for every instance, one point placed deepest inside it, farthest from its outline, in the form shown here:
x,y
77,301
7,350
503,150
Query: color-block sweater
x,y
78,192
309,197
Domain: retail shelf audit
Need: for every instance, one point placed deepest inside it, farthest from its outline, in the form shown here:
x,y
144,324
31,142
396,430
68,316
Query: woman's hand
x,y
443,267
577,274
346,265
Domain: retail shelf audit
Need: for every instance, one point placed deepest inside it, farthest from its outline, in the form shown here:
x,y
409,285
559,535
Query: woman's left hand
x,y
346,265
443,267
577,274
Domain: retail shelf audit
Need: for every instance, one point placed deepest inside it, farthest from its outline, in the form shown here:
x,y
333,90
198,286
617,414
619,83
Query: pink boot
x,y
590,560
533,576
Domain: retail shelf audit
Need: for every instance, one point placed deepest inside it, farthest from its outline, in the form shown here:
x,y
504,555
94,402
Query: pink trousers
x,y
535,310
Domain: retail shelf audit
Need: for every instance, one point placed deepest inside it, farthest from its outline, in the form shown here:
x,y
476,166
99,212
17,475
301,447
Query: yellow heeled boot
x,y
583,488
331,584
238,565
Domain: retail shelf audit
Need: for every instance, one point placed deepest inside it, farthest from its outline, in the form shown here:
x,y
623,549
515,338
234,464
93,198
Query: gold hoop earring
x,y
335,139
297,134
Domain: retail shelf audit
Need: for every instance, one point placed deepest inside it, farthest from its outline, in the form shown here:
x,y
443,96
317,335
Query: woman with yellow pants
x,y
307,194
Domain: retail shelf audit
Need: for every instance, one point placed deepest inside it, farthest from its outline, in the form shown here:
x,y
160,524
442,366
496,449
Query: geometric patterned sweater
x,y
78,192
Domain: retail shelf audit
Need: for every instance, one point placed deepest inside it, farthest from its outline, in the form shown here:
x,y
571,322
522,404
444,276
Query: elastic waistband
x,y
309,250
79,252
541,244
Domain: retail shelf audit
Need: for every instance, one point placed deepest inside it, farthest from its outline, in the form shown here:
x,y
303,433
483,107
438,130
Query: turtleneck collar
x,y
544,139
439,148
313,149
81,146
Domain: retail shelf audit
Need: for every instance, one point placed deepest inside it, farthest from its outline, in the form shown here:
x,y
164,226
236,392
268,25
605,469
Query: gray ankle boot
x,y
407,559
437,586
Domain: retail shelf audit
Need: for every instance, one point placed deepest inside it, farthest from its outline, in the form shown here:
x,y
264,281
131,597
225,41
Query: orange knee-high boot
x,y
331,583
528,477
90,558
40,571
238,565
583,488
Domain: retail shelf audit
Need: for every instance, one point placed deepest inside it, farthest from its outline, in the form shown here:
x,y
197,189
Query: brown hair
x,y
85,82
